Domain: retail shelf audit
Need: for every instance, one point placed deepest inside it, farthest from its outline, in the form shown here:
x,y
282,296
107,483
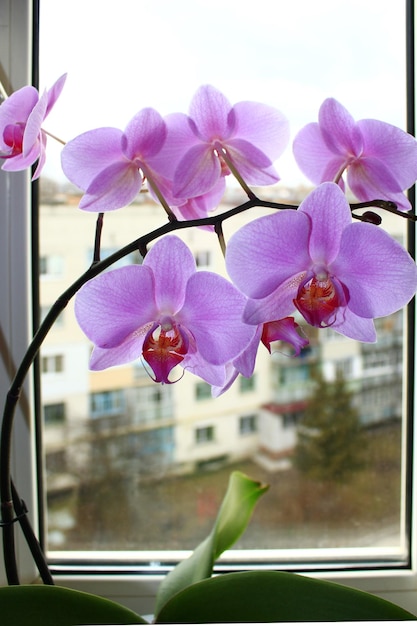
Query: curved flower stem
x,y
97,238
224,155
54,137
8,507
157,191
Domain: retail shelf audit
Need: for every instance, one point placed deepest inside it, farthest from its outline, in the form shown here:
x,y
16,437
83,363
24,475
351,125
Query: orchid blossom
x,y
22,139
380,159
335,272
215,137
164,311
109,165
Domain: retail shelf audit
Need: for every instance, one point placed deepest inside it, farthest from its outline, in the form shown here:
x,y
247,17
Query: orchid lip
x,y
164,347
318,300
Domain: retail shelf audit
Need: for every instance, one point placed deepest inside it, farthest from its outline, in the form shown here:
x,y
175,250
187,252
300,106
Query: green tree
x,y
330,440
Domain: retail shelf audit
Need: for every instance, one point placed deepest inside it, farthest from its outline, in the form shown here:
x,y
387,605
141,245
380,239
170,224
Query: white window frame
x,y
136,590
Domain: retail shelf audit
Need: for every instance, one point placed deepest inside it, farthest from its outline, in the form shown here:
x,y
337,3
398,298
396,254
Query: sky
x,y
126,55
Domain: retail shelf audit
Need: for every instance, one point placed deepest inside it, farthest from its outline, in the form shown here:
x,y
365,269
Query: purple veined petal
x,y
54,92
88,154
339,129
16,109
267,251
180,138
172,264
117,304
231,373
369,178
200,206
312,154
144,135
277,305
396,148
41,148
211,374
113,188
210,109
245,362
212,312
253,166
284,330
262,126
354,327
127,352
329,212
380,275
247,152
34,123
197,172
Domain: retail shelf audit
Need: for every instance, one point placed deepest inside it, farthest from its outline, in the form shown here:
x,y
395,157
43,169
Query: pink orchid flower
x,y
336,272
380,159
22,140
109,164
201,146
163,311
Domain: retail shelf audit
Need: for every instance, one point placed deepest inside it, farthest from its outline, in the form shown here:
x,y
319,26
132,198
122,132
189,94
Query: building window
x,y
246,384
104,403
52,363
205,434
54,413
248,424
202,391
203,258
51,265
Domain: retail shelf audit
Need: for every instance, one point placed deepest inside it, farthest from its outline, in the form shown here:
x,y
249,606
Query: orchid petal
x,y
252,164
209,109
145,135
277,305
85,156
114,187
283,238
283,330
245,362
106,310
396,148
369,178
34,123
211,374
212,312
378,272
231,373
354,326
54,92
127,352
330,214
180,138
197,172
313,155
339,129
172,264
262,126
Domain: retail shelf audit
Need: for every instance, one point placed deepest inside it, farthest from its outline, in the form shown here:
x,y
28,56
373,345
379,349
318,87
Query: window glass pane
x,y
325,429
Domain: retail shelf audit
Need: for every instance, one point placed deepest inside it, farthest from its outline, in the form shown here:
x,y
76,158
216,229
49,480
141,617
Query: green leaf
x,y
233,517
275,597
50,605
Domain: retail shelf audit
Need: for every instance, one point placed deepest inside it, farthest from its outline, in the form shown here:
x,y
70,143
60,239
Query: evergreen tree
x,y
330,439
